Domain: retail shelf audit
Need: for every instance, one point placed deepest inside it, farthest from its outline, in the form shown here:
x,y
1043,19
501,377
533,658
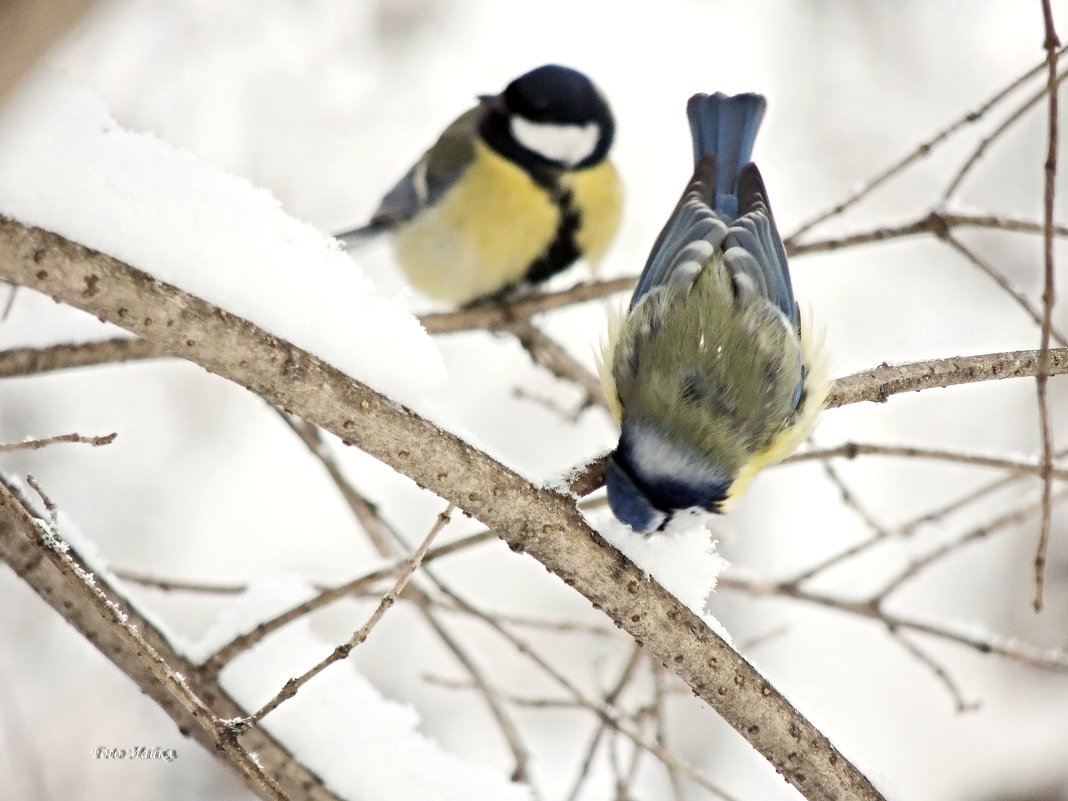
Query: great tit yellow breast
x,y
481,235
597,195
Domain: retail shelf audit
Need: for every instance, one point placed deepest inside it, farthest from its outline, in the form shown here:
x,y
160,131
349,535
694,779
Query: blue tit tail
x,y
725,127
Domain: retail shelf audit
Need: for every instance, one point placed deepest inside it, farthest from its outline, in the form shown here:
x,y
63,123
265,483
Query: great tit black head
x,y
552,116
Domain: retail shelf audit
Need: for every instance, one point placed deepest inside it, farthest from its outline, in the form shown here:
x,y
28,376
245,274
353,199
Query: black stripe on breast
x,y
563,250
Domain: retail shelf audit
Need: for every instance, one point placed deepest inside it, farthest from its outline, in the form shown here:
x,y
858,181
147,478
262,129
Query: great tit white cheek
x,y
563,144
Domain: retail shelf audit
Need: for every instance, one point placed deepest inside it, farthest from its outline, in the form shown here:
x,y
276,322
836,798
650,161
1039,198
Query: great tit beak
x,y
493,103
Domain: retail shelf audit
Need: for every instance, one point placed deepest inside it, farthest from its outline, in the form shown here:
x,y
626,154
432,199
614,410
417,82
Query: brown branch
x,y
531,519
878,384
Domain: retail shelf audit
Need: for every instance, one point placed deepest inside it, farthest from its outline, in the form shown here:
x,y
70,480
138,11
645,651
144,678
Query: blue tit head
x,y
650,477
550,117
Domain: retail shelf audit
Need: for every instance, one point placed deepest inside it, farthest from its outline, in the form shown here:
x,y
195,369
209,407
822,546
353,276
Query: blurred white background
x,y
325,103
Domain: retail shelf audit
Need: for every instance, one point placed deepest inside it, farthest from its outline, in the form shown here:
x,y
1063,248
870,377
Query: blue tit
x,y
709,371
515,190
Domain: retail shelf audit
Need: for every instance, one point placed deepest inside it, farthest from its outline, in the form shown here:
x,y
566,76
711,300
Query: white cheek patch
x,y
564,144
656,459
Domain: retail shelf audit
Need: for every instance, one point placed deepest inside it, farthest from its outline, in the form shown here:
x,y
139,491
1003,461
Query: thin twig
x,y
600,709
10,303
1011,518
1049,298
600,727
678,789
939,672
493,314
383,536
494,701
1003,282
934,222
360,635
365,512
548,353
36,444
920,152
852,450
1007,123
1025,654
32,361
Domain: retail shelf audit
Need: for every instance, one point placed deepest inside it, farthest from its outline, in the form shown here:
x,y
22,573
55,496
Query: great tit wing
x,y
753,247
689,238
438,169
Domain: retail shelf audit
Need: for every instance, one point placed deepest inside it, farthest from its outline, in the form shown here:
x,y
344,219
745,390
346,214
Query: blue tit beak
x,y
629,503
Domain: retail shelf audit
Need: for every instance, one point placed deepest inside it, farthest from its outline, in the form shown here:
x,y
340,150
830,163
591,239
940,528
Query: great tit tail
x,y
725,126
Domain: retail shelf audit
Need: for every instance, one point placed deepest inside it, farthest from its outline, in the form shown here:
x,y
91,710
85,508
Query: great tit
x,y
709,371
514,191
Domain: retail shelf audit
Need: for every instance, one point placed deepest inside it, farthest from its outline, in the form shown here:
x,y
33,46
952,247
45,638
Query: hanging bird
x,y
709,371
515,190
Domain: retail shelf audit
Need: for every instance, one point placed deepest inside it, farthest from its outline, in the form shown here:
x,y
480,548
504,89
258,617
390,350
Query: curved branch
x,y
536,520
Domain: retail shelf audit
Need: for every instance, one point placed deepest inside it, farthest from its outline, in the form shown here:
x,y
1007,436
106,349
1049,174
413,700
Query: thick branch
x,y
542,522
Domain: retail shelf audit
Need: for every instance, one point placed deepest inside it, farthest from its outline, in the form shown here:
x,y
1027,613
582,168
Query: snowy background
x,y
323,105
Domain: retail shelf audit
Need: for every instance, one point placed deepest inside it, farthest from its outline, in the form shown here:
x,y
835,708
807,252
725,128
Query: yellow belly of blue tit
x,y
484,233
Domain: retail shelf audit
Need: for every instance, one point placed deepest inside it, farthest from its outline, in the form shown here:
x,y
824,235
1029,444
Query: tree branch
x,y
878,384
536,520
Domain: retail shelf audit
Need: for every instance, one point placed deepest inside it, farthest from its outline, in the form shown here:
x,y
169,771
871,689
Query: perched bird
x,y
514,191
709,371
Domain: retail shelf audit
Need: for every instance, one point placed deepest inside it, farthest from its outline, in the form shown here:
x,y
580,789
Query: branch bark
x,y
539,521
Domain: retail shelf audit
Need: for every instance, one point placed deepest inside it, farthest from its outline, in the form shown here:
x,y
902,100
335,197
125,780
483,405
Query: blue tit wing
x,y
438,169
753,247
691,235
